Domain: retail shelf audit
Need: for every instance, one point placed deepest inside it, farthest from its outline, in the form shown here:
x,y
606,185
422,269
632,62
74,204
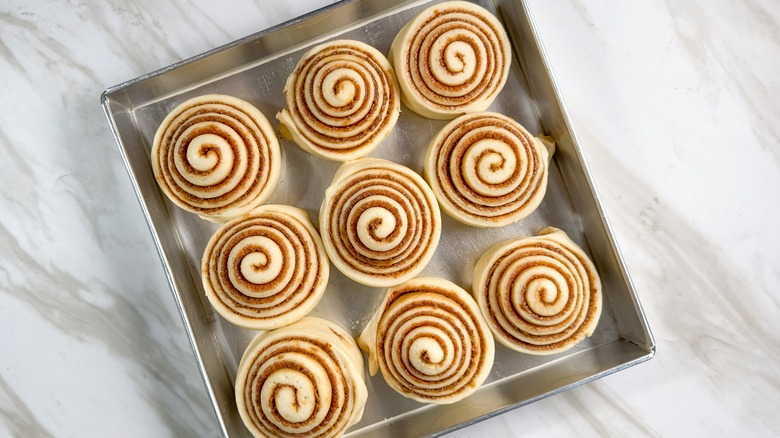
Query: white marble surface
x,y
677,108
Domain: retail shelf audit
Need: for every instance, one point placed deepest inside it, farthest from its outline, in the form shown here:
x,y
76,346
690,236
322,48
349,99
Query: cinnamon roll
x,y
303,380
453,58
539,295
429,341
380,222
342,100
266,269
487,170
216,156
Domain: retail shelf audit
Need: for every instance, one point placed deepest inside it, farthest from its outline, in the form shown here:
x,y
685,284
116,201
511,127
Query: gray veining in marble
x,y
676,107
701,30
18,418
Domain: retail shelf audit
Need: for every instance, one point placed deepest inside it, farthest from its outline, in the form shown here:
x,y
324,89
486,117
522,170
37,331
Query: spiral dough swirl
x,y
303,380
453,58
487,170
216,156
539,295
266,269
430,341
380,222
342,100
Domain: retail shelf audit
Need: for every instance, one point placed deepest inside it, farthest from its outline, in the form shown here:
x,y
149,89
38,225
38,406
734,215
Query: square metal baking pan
x,y
255,69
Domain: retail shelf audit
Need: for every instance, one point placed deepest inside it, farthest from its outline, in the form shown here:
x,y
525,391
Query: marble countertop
x,y
675,105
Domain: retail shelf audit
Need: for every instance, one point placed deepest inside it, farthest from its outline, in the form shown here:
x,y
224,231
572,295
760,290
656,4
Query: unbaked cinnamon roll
x,y
429,341
487,170
453,58
342,100
539,295
380,222
216,156
266,269
303,380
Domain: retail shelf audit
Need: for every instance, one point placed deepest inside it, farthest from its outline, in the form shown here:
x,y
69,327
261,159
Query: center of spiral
x,y
339,87
543,296
426,355
488,164
206,159
545,291
292,394
265,263
453,60
203,153
374,225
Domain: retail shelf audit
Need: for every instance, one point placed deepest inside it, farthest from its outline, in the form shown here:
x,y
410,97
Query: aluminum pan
x,y
255,69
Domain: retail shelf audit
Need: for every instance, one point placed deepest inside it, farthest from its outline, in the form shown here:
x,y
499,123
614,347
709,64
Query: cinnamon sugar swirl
x,y
303,380
216,156
453,58
539,295
380,222
429,341
266,269
342,100
487,170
